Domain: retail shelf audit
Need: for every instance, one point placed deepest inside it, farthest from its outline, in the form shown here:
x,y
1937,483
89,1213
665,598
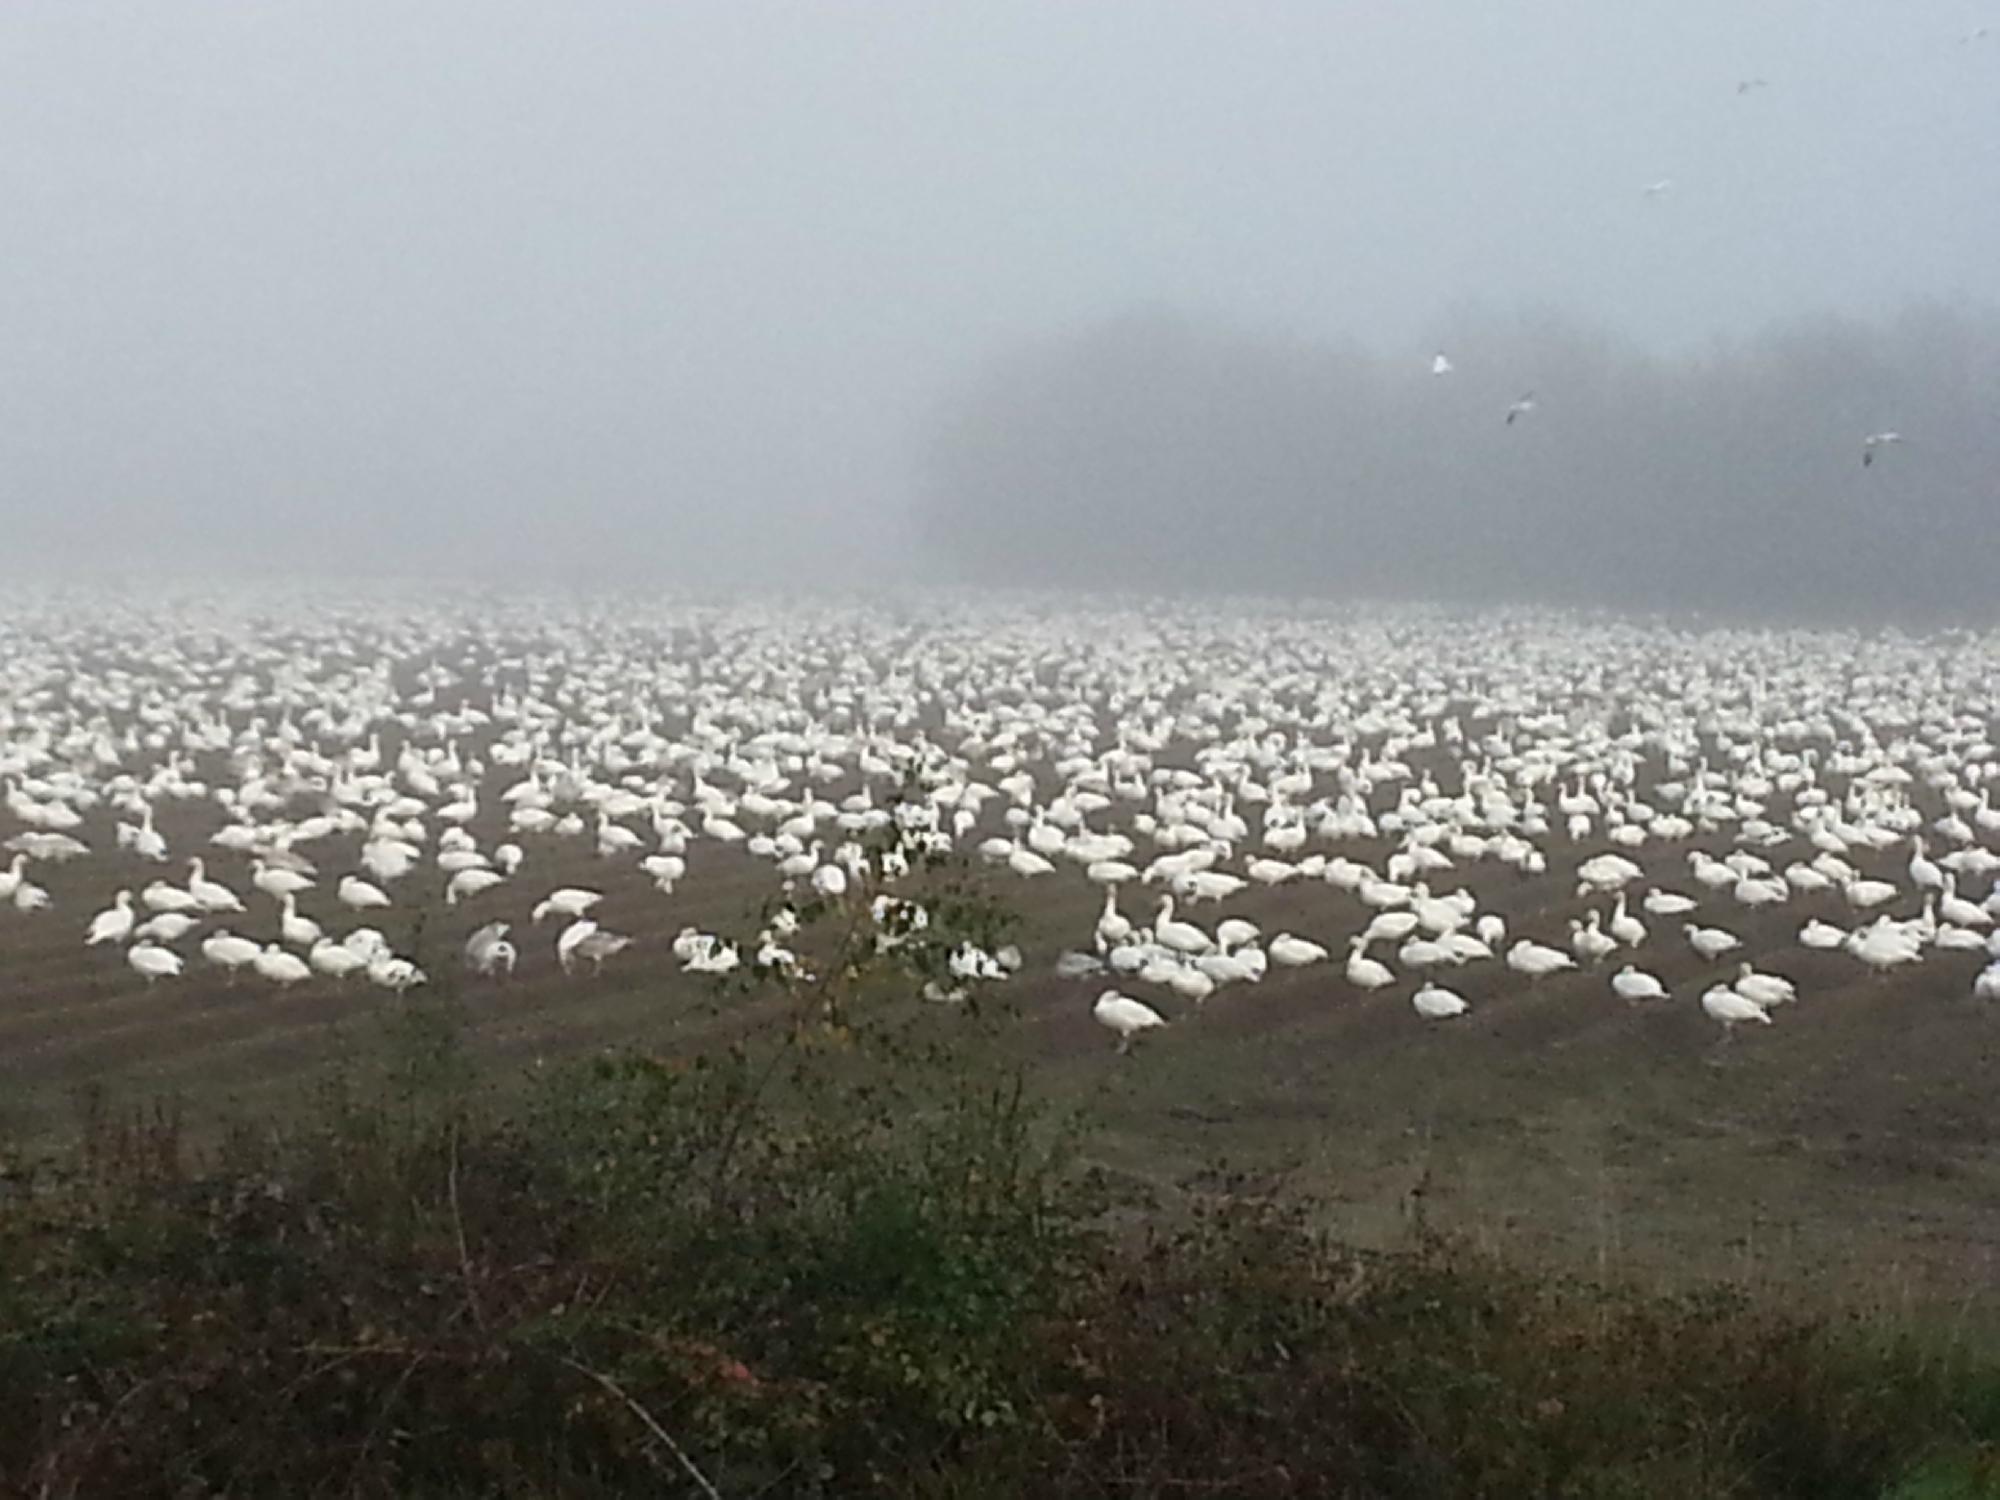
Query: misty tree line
x,y
1155,451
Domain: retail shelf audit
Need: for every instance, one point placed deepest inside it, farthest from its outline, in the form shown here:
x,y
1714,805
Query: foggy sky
x,y
560,292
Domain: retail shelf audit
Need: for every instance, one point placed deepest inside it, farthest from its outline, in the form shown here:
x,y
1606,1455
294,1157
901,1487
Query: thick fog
x,y
715,291
1152,452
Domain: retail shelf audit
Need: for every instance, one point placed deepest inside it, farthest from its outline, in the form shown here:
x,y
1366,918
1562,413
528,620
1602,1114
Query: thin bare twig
x,y
612,1387
458,1225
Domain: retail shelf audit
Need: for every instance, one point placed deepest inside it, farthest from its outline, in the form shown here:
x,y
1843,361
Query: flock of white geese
x,y
262,783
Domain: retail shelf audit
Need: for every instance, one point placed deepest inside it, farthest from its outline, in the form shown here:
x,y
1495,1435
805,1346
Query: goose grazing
x,y
1632,983
469,882
568,901
1725,1005
1125,1017
570,938
595,948
1435,1003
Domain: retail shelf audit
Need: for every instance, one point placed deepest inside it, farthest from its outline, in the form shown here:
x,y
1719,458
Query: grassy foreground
x,y
851,1255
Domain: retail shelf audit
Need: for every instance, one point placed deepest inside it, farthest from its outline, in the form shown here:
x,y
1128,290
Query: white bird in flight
x,y
1521,408
1440,365
1659,189
1876,440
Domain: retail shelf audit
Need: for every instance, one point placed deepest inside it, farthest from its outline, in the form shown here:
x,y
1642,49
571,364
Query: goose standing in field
x,y
1732,1009
1624,927
1435,1003
1661,903
281,968
1125,1017
1295,953
1884,948
167,899
300,932
1632,983
1711,942
1363,972
211,896
361,895
1588,942
153,962
1537,960
335,960
1183,937
165,927
276,881
1766,990
114,924
227,951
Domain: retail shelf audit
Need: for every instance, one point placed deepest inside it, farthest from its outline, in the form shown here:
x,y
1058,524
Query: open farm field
x,y
1455,784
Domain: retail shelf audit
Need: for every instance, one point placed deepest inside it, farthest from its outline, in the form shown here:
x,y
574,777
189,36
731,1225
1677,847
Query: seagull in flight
x,y
1440,365
1874,441
1521,408
1661,188
1752,83
1977,34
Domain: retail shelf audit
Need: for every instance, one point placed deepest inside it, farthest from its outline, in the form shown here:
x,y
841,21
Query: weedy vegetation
x,y
850,1251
